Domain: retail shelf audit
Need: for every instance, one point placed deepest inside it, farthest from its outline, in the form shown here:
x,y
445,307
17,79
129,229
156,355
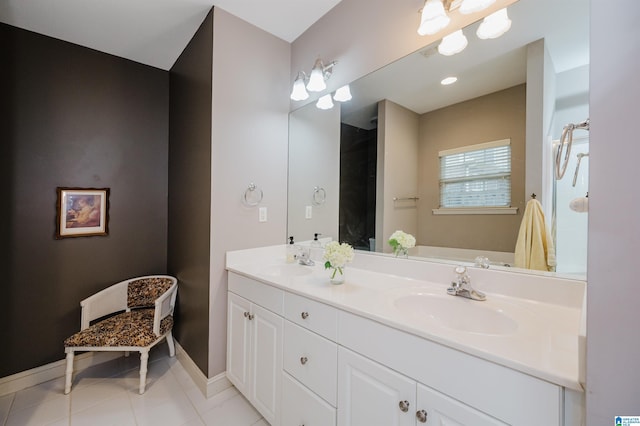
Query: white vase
x,y
402,252
336,275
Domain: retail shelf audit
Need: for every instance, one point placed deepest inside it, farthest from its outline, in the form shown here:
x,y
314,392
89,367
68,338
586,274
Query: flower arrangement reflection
x,y
401,242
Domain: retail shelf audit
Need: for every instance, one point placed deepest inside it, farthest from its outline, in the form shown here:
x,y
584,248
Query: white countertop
x,y
543,343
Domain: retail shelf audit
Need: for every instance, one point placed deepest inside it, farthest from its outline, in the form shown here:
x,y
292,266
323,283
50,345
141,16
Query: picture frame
x,y
82,212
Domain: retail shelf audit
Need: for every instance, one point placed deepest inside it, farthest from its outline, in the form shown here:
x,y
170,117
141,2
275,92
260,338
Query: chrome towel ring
x,y
252,195
319,196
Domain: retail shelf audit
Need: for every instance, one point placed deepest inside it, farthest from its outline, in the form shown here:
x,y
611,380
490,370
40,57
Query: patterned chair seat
x,y
133,328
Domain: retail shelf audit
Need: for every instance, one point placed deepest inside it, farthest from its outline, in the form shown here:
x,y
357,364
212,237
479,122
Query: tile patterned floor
x,y
108,395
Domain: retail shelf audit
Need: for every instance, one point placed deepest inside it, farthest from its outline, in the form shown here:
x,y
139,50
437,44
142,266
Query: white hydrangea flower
x,y
402,239
337,255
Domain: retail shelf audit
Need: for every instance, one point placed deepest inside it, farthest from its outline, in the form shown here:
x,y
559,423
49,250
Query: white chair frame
x,y
114,299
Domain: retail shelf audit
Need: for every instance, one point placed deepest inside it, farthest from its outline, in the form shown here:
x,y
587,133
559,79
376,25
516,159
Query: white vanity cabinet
x,y
254,344
371,394
303,362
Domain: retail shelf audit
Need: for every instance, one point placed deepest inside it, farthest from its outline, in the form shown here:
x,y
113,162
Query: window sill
x,y
476,210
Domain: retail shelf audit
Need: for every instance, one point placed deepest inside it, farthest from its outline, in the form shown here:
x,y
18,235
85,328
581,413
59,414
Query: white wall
x,y
613,335
397,172
314,161
249,144
541,98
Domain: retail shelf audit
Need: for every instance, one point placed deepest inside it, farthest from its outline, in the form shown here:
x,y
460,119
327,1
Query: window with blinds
x,y
476,176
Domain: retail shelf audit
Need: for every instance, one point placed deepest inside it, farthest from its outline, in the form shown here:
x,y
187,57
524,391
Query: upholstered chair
x,y
132,315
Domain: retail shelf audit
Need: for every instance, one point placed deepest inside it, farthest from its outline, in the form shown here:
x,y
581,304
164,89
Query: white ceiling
x,y
153,32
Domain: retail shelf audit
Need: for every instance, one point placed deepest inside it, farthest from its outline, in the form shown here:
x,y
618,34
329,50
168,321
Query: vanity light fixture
x,y
433,18
299,92
449,80
315,82
494,25
343,94
325,102
319,74
453,43
473,6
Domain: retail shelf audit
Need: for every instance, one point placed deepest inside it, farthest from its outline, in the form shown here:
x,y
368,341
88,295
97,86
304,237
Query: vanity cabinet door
x,y
301,407
370,394
434,408
238,342
266,365
254,355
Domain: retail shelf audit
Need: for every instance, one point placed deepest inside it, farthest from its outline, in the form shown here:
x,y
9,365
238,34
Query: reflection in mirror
x,y
378,155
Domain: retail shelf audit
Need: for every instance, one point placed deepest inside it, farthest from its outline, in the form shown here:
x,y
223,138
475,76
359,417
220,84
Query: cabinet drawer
x,y
316,316
300,406
259,293
311,359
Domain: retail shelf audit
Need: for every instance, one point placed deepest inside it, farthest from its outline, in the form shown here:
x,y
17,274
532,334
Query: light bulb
x,y
325,102
453,43
299,93
343,94
316,80
494,25
434,18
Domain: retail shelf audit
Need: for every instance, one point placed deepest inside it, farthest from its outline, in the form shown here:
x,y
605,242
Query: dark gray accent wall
x,y
190,190
71,116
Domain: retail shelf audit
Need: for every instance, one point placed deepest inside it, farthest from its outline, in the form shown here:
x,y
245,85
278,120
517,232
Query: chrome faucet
x,y
461,286
304,257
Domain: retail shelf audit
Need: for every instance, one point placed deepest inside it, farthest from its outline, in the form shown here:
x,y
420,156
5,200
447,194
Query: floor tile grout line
x,y
6,418
185,393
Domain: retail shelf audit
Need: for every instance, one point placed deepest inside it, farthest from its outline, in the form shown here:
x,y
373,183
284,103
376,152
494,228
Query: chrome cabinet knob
x,y
421,416
404,406
304,360
304,315
248,316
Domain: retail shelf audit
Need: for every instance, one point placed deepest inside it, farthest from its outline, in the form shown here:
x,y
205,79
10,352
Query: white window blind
x,y
476,175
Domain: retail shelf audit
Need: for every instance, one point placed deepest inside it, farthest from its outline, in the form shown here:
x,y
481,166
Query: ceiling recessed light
x,y
449,80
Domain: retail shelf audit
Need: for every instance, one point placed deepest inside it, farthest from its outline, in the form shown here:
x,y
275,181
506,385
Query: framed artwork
x,y
82,212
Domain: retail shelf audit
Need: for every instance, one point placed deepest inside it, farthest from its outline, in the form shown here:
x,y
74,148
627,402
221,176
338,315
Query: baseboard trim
x,y
208,386
25,379
54,370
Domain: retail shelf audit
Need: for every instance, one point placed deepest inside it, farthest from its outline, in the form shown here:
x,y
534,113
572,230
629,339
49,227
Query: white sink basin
x,y
457,313
286,270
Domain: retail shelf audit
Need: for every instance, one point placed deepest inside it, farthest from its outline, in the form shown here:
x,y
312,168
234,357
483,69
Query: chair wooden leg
x,y
144,359
68,373
170,343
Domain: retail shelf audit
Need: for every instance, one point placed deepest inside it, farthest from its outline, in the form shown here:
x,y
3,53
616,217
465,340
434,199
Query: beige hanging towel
x,y
534,248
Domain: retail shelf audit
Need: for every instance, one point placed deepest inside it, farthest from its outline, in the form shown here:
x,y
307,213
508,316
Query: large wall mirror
x,y
370,166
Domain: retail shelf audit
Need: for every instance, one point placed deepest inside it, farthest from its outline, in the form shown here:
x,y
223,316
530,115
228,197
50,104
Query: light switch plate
x,y
308,212
262,214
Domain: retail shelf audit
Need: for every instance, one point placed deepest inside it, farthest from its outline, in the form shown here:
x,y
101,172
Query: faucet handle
x,y
460,270
482,262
